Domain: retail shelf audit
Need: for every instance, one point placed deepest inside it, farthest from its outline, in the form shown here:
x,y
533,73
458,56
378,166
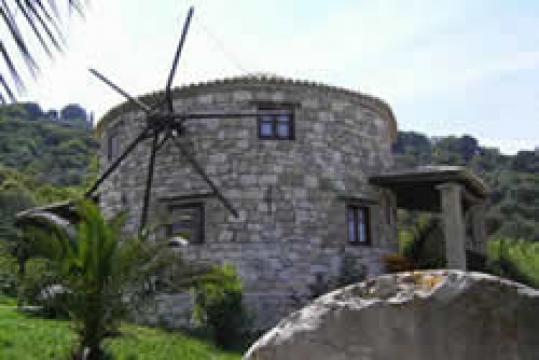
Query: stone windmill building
x,y
314,186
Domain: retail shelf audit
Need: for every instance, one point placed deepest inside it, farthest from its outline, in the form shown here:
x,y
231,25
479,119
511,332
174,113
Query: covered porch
x,y
455,193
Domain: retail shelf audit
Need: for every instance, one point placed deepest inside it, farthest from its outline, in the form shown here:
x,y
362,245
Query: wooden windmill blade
x,y
177,55
185,153
122,92
160,122
149,180
142,136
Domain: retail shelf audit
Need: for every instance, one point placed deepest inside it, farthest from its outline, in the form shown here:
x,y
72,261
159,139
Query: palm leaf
x,y
36,31
39,20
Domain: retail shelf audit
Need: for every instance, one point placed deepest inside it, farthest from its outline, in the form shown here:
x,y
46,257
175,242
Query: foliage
x,y
31,338
14,197
526,161
19,192
513,180
31,25
219,307
104,274
419,245
8,274
54,151
73,112
515,259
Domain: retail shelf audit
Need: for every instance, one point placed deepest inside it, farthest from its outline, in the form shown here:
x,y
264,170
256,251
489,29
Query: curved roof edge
x,y
376,104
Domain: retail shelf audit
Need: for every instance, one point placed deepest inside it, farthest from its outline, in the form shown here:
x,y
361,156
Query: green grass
x,y
27,337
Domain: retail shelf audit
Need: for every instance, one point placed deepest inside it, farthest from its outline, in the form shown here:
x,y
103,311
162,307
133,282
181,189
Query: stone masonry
x,y
291,194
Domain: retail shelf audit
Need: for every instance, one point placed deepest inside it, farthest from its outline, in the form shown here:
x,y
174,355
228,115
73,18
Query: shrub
x,y
8,275
421,244
515,259
219,307
37,276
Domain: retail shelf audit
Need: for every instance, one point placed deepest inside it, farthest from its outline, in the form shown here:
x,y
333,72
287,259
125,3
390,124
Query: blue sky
x,y
445,67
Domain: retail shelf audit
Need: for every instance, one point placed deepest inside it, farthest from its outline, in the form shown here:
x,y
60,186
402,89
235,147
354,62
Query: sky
x,y
445,67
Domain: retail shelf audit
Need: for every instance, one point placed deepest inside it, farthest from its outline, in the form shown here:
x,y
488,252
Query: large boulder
x,y
434,315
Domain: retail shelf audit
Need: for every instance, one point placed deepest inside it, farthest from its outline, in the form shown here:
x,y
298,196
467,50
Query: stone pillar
x,y
479,232
453,223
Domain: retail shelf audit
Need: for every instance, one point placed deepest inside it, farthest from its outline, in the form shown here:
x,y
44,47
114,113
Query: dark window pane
x,y
283,130
276,125
351,224
357,221
362,225
266,128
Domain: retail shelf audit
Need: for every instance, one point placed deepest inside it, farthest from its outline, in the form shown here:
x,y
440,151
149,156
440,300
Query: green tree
x,y
515,259
104,274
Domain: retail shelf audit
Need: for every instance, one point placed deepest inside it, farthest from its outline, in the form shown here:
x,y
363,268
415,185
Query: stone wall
x,y
291,194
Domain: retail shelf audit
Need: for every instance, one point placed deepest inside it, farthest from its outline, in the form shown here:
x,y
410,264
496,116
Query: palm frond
x,y
9,63
44,25
30,22
6,88
24,20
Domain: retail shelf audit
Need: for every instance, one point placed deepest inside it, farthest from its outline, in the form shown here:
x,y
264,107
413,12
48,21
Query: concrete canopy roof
x,y
416,188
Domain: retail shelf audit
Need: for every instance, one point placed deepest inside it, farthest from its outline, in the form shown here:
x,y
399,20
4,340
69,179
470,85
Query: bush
x,y
517,260
38,287
8,275
219,307
422,244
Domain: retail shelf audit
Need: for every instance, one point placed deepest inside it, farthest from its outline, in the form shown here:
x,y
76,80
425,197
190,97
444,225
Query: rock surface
x,y
439,314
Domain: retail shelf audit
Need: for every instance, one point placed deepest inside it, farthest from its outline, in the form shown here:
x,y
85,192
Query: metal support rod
x,y
204,176
177,57
118,160
119,90
149,180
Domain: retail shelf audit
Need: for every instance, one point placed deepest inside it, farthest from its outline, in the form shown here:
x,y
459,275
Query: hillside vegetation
x,y
513,210
54,147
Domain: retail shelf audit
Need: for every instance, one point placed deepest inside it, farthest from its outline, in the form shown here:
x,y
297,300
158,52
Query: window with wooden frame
x,y
358,224
187,223
279,125
113,145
